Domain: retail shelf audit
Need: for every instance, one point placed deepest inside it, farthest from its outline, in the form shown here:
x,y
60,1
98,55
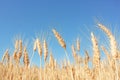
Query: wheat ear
x,y
19,55
26,57
61,41
73,51
96,52
59,38
113,43
39,47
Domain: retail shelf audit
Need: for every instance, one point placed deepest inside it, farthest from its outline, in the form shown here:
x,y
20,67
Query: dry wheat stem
x,y
66,53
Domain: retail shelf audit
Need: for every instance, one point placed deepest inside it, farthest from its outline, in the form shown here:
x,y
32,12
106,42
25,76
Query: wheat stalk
x,y
113,43
113,46
61,42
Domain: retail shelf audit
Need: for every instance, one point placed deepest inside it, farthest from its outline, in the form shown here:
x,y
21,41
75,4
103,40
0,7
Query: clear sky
x,y
72,18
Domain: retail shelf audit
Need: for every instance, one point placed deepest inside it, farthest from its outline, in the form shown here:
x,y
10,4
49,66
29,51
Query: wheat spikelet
x,y
96,52
113,43
39,47
26,58
78,44
45,49
59,38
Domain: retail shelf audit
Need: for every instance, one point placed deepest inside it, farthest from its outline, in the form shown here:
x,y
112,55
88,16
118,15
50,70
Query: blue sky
x,y
72,18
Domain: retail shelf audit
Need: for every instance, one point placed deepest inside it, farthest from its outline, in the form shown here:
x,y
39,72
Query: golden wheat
x,y
39,47
96,52
59,38
101,68
26,58
113,43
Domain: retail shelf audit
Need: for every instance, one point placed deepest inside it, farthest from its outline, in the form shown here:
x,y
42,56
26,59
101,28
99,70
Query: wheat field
x,y
13,68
